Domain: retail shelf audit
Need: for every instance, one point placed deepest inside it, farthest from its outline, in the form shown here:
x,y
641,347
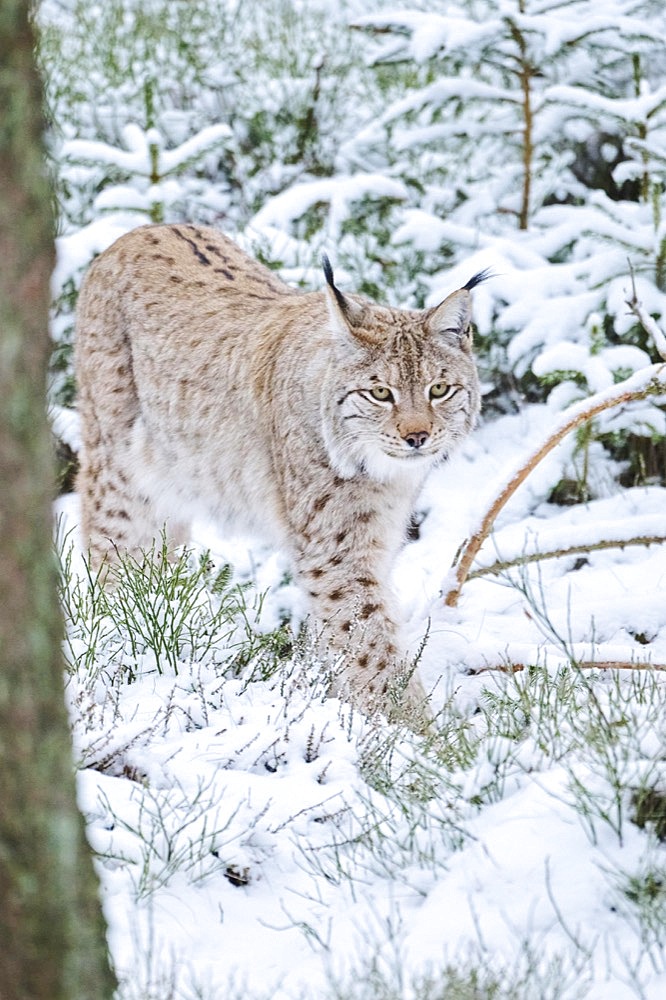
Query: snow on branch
x,y
137,157
427,33
633,109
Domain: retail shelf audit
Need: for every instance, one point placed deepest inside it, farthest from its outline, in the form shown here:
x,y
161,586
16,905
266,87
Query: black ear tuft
x,y
478,278
328,271
343,305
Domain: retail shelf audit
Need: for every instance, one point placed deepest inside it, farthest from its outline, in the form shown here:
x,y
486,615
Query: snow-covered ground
x,y
256,836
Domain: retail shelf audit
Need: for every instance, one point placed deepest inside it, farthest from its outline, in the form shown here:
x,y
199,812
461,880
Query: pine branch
x,y
647,382
525,75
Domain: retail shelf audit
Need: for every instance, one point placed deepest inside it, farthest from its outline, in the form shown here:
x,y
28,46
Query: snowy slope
x,y
259,834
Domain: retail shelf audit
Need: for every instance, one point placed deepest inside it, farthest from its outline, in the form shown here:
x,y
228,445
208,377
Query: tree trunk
x,y
52,943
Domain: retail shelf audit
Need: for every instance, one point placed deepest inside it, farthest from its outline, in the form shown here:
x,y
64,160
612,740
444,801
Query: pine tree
x,y
538,128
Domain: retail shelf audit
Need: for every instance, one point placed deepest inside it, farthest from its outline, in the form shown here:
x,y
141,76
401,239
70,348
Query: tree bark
x,y
52,941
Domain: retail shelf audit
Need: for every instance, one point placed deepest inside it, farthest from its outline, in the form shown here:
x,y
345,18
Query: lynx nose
x,y
416,439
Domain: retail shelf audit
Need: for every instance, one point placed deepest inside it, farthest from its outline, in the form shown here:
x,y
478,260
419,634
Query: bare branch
x,y
647,382
515,668
498,567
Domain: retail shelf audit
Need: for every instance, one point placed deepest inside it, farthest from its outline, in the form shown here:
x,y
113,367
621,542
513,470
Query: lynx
x,y
208,388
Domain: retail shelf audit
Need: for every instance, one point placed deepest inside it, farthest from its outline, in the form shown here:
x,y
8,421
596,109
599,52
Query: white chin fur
x,y
384,468
377,465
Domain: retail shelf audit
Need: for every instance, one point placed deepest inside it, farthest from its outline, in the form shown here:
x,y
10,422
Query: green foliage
x,y
477,978
163,612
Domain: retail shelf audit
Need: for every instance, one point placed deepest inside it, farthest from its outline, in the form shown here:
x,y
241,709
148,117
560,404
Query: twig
x,y
649,324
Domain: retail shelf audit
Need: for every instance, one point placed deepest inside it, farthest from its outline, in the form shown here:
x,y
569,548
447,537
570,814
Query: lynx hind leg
x,y
116,516
116,519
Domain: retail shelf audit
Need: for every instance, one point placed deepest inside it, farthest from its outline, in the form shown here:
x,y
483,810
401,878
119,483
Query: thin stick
x,y
650,325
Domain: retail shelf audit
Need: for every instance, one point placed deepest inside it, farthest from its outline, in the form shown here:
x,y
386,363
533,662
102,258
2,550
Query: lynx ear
x,y
346,315
452,318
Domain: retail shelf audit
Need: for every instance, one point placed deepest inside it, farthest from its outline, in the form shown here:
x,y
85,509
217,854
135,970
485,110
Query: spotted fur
x,y
208,388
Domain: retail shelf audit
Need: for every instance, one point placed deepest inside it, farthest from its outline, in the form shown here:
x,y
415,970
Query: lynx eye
x,y
440,390
381,393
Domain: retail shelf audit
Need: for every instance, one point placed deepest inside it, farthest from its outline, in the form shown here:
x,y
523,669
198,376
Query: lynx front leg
x,y
360,620
357,613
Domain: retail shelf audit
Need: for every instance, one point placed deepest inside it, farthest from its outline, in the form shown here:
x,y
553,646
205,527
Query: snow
x,y
206,139
192,781
638,109
338,192
429,32
66,426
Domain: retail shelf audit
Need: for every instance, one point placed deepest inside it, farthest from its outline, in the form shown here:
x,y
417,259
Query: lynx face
x,y
407,392
209,389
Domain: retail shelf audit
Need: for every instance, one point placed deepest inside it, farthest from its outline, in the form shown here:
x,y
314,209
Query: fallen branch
x,y
516,668
649,381
572,550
